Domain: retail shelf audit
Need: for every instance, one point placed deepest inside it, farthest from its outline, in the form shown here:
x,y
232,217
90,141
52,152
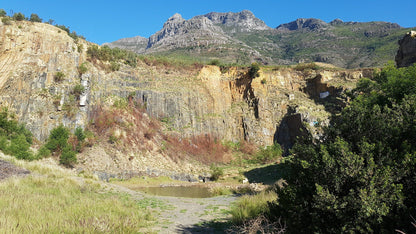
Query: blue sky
x,y
106,21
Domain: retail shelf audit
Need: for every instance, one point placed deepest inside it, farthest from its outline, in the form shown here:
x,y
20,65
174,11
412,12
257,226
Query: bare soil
x,y
7,170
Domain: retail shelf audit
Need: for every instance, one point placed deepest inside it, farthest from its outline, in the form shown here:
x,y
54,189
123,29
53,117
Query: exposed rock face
x,y
230,105
244,21
406,55
177,32
311,24
137,44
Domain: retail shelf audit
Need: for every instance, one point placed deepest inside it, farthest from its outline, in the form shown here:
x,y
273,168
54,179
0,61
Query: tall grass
x,y
55,202
252,206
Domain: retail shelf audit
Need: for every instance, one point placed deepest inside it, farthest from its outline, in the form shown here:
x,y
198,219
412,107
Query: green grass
x,y
251,206
52,200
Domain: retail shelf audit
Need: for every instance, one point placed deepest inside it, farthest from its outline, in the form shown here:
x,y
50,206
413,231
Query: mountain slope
x,y
242,38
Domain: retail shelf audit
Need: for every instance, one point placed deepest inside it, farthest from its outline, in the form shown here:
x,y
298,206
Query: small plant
x,y
78,90
82,69
215,62
263,81
59,76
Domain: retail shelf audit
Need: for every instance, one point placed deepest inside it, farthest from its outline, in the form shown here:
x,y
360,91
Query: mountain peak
x,y
302,23
245,20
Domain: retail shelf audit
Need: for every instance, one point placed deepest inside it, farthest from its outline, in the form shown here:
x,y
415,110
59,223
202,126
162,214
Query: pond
x,y
178,191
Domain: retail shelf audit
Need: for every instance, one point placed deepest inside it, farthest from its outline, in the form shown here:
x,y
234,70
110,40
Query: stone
x,y
406,55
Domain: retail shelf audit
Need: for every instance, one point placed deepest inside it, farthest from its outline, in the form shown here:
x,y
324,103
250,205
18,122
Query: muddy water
x,y
178,191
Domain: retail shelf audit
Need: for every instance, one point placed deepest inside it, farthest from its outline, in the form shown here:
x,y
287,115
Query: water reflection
x,y
178,191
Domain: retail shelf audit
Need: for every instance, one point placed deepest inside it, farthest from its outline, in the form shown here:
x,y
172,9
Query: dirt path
x,y
185,215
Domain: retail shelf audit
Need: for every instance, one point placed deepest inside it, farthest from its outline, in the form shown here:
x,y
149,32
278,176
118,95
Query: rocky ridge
x,y
243,38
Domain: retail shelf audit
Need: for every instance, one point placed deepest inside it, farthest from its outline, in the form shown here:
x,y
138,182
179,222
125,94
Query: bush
x,y
3,13
78,90
253,72
58,139
216,172
360,177
19,16
59,76
43,152
19,148
68,157
6,21
35,18
83,67
215,62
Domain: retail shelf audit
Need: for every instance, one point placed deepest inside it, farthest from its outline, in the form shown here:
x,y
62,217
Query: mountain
x,y
243,38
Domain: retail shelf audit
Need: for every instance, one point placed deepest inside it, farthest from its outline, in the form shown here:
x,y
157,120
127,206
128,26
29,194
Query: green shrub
x,y
59,76
6,20
19,16
215,62
83,67
68,156
58,139
35,18
19,148
253,72
43,152
78,90
3,13
216,172
114,66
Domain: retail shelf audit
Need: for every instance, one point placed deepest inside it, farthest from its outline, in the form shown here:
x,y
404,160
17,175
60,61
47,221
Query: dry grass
x,y
52,200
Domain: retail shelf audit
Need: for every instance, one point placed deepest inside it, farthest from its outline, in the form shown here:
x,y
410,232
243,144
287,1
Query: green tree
x,y
361,176
58,139
19,148
68,156
19,16
3,13
253,72
35,18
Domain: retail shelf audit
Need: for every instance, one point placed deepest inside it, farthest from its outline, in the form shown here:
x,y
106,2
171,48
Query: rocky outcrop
x,y
310,24
177,33
243,21
406,55
137,44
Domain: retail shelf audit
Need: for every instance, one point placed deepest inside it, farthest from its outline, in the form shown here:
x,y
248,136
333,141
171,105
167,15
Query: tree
x,y
35,18
361,176
58,139
19,16
3,13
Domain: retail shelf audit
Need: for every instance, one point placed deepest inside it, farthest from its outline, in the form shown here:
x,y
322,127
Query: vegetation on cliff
x,y
361,176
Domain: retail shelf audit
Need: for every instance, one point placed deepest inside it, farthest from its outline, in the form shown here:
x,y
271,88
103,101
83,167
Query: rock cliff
x,y
226,103
406,55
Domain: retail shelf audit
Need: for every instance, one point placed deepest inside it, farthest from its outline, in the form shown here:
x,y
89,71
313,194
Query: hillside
x,y
242,38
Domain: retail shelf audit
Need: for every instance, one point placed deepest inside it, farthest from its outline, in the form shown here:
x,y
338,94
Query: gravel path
x,y
185,215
